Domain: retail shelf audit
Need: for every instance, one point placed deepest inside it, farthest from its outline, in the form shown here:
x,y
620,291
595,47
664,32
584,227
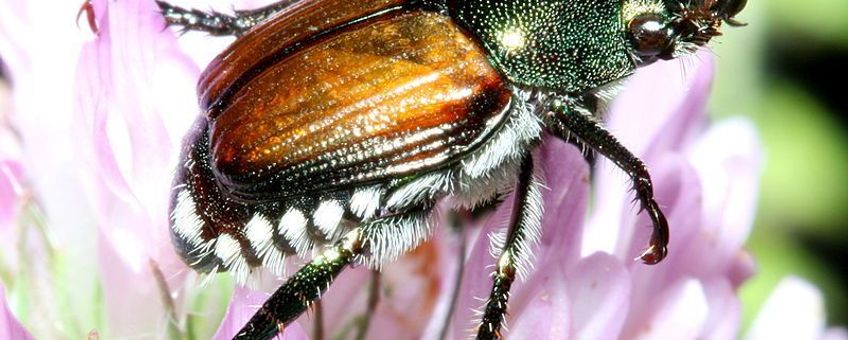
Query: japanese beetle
x,y
338,125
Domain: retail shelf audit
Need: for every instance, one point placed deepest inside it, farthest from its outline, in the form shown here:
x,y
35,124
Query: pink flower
x,y
10,328
12,197
11,192
101,157
795,310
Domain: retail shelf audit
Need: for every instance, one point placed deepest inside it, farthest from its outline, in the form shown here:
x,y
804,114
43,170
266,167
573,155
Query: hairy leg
x,y
571,121
303,288
514,259
372,242
373,299
216,23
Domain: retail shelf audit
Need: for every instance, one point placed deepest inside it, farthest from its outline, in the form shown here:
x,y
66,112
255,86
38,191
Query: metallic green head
x,y
574,46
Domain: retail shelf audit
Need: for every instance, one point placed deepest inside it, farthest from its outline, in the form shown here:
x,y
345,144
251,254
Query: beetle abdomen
x,y
397,94
212,231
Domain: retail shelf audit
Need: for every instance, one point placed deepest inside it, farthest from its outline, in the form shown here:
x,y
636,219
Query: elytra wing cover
x,y
400,93
279,35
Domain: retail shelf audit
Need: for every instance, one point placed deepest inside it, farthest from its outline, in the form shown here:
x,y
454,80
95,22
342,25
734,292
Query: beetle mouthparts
x,y
726,10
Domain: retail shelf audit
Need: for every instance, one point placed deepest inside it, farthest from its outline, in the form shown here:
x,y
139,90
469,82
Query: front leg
x,y
219,24
568,118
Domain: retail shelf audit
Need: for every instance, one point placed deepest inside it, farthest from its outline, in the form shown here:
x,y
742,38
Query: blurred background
x,y
791,63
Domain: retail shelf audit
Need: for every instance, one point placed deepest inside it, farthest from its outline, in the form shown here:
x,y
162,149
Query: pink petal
x,y
835,334
662,104
742,267
476,278
11,190
728,159
30,35
725,310
544,311
450,245
133,303
135,101
795,310
10,327
599,287
418,283
410,290
679,311
345,300
565,197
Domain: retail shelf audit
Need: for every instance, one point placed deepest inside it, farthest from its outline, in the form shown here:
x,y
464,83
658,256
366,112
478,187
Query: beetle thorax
x,y
566,46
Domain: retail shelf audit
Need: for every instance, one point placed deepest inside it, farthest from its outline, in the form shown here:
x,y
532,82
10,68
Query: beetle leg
x,y
373,300
514,258
318,320
304,287
251,17
216,23
371,241
457,220
570,119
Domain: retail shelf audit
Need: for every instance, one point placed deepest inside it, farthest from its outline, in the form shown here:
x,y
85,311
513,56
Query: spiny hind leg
x,y
373,242
515,253
216,23
303,288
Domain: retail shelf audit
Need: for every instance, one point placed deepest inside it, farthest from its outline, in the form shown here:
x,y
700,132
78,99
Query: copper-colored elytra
x,y
302,20
404,92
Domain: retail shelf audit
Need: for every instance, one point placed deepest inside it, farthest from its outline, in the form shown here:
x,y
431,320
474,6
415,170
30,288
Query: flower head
x,y
100,133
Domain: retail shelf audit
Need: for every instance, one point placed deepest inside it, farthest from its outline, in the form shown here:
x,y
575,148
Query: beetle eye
x,y
650,35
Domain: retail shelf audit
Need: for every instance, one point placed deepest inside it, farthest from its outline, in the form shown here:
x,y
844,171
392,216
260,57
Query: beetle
x,y
337,125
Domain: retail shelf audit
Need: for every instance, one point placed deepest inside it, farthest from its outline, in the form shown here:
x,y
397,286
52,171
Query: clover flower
x,y
99,121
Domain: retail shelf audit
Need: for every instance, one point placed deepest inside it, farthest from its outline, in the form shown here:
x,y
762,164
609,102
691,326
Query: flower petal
x,y
565,197
10,327
544,310
725,310
662,104
599,287
476,278
835,334
135,100
729,162
10,192
794,310
679,312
